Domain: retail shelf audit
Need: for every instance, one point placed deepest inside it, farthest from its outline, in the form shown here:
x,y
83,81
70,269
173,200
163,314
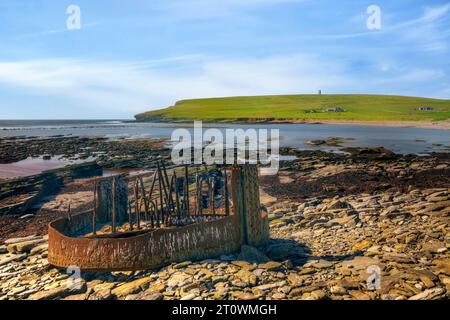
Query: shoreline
x,y
438,125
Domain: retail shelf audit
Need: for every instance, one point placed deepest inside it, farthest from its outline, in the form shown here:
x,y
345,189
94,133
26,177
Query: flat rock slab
x,y
132,287
12,258
39,249
24,239
60,292
359,265
26,246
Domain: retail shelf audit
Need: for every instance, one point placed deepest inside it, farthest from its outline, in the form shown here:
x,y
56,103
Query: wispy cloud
x,y
414,75
58,31
422,28
136,87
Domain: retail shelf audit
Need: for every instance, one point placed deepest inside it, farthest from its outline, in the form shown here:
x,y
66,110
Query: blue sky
x,y
138,55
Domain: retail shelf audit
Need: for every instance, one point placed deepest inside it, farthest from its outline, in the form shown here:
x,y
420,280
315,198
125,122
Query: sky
x,y
134,56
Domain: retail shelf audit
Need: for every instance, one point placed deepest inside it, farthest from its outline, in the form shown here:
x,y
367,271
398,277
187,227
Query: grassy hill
x,y
303,107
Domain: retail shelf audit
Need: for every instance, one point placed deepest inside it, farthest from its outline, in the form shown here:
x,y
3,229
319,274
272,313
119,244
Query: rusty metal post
x,y
166,177
164,187
197,192
157,213
153,214
161,202
94,212
227,201
186,178
254,223
113,211
130,217
136,205
144,198
177,199
200,197
69,214
212,199
238,201
152,188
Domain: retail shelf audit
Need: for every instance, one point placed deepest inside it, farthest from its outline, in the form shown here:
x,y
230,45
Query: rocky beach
x,y
334,219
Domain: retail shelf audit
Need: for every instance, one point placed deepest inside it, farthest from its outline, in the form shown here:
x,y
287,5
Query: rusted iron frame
x,y
164,197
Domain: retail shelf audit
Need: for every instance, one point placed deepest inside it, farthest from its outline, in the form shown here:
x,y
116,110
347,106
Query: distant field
x,y
304,107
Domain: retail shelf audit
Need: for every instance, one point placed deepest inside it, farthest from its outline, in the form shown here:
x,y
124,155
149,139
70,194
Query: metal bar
x,y
200,197
197,193
157,214
177,199
227,201
136,205
208,182
168,185
168,208
212,200
186,178
160,196
153,185
144,198
130,218
153,214
69,214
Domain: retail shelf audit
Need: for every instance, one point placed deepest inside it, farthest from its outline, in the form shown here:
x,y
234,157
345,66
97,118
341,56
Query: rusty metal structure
x,y
165,215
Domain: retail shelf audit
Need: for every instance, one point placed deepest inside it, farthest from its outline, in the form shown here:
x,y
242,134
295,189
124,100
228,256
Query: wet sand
x,y
31,166
442,125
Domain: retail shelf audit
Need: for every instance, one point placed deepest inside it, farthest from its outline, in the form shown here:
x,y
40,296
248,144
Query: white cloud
x,y
423,30
132,87
58,31
434,13
415,75
135,87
